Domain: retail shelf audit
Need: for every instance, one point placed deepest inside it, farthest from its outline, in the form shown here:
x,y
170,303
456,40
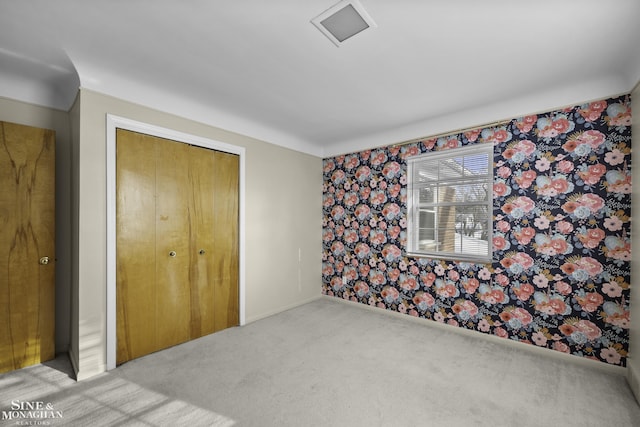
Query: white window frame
x,y
414,207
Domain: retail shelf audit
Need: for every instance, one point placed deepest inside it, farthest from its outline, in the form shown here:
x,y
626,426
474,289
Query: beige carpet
x,y
330,363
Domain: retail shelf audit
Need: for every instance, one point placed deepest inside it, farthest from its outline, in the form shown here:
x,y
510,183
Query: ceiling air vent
x,y
343,20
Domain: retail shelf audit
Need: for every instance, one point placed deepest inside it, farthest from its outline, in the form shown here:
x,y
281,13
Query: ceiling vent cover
x,y
343,21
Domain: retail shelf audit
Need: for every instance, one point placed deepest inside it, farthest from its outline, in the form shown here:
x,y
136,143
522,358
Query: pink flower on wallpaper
x,y
328,166
423,301
391,211
593,174
472,135
501,332
363,173
377,198
408,283
327,269
543,164
391,253
390,294
350,236
394,231
501,280
447,143
614,157
484,326
351,162
464,309
503,172
409,151
378,158
618,182
377,277
541,222
503,226
610,355
617,248
500,189
562,287
500,243
524,235
564,227
615,314
552,127
593,111
525,179
446,289
523,292
429,144
338,176
394,190
470,285
428,278
484,274
590,301
526,123
549,304
552,245
539,339
495,135
613,223
492,295
618,115
561,347
516,317
565,166
521,259
612,289
592,238
351,199
391,169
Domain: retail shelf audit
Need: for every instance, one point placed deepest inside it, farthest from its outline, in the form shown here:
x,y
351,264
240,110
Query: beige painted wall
x,y
283,217
633,363
42,117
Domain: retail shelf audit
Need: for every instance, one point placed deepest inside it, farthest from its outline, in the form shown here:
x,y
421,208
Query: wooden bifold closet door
x,y
27,246
176,243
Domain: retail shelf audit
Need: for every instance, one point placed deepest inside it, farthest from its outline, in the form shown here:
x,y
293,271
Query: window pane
x,y
464,193
453,190
476,164
451,168
427,195
426,171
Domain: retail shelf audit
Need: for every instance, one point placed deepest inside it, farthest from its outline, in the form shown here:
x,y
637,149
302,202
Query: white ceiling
x,y
261,68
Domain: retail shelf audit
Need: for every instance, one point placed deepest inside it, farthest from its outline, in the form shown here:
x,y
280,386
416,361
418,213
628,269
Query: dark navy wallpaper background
x,y
560,274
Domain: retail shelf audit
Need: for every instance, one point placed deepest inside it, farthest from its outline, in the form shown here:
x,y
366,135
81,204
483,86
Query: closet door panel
x,y
136,245
27,234
225,240
173,251
201,179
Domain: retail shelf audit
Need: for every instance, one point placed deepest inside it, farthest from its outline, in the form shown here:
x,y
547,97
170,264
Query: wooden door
x,y
27,235
177,248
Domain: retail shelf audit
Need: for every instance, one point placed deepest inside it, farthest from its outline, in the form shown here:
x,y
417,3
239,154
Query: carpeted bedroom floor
x,y
332,363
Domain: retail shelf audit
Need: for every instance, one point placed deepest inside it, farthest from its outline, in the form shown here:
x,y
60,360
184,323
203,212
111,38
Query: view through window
x,y
450,204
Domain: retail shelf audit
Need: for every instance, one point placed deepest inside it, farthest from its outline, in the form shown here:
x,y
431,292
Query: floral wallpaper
x,y
560,273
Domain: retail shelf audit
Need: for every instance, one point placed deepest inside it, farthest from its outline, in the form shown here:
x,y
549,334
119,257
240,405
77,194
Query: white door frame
x,y
115,122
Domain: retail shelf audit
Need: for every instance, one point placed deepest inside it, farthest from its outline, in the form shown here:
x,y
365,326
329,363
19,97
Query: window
x,y
450,204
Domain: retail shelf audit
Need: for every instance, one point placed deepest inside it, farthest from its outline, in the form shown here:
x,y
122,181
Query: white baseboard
x,y
280,310
543,352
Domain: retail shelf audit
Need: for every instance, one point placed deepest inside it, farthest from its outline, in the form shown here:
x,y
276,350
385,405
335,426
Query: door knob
x,y
172,253
201,251
44,260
